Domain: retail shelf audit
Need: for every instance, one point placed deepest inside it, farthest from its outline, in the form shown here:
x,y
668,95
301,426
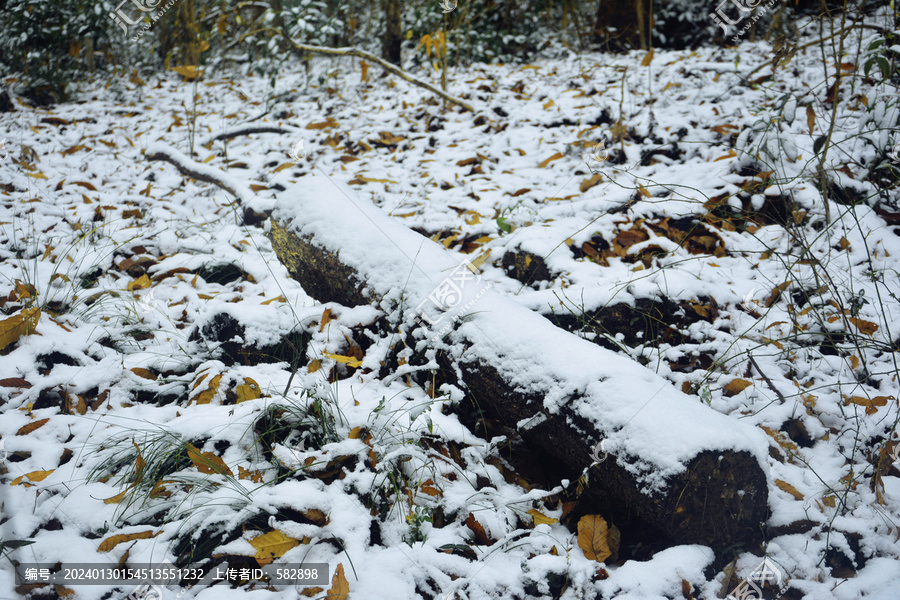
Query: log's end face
x,y
321,273
720,499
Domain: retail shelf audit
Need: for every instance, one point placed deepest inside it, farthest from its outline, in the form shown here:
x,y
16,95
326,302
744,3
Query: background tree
x,y
393,31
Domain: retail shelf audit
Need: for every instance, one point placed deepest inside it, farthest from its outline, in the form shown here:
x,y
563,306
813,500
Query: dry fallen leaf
x,y
865,327
540,518
590,182
272,545
33,476
249,390
207,462
556,156
326,319
340,588
736,386
785,486
350,361
26,429
593,533
22,323
114,540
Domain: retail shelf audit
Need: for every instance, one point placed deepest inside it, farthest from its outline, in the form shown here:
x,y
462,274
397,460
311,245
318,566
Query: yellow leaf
x,y
144,373
207,462
350,361
26,429
736,386
187,71
277,299
117,498
810,118
114,540
222,23
556,156
592,537
272,545
21,323
479,260
284,166
206,396
548,104
248,391
327,124
141,283
540,518
74,149
37,175
314,366
138,464
648,58
340,588
785,486
33,476
870,404
590,182
326,319
254,476
429,488
365,71
363,179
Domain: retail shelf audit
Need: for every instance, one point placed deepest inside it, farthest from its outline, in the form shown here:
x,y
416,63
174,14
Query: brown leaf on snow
x,y
785,486
114,540
207,462
556,156
865,327
477,529
590,182
327,124
871,404
736,386
26,429
340,588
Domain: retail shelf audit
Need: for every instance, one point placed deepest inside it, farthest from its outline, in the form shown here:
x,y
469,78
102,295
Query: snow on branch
x,y
380,62
200,172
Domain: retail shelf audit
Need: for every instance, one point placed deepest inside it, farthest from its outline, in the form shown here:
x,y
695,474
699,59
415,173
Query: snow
x,y
62,214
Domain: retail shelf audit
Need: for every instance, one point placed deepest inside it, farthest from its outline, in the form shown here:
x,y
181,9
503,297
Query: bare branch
x,y
367,56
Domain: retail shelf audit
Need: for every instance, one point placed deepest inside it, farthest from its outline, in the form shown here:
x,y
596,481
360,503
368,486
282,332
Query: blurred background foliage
x,y
46,46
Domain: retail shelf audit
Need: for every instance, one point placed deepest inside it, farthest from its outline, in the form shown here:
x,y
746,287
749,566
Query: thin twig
x,y
767,380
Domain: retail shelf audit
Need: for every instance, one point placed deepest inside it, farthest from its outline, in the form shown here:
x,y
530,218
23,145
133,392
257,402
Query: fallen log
x,y
695,474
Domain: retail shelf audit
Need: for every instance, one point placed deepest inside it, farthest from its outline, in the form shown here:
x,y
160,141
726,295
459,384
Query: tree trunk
x,y
393,31
623,24
688,471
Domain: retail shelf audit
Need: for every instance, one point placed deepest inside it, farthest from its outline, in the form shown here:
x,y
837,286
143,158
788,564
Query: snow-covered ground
x,y
180,390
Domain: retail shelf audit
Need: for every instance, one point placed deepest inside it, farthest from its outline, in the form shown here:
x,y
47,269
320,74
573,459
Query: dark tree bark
x,y
393,31
623,24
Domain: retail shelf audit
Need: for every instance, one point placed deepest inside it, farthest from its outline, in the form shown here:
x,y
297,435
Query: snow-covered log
x,y
695,474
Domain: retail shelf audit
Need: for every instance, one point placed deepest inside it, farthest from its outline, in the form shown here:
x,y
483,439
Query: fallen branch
x,y
249,130
685,469
367,56
200,172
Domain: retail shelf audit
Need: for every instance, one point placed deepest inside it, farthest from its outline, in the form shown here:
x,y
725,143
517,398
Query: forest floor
x,y
170,395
